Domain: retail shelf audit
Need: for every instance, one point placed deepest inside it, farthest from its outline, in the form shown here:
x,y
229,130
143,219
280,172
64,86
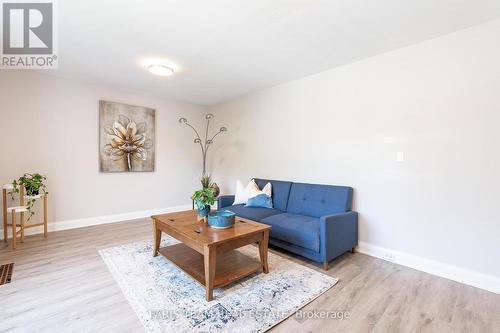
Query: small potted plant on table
x,y
203,200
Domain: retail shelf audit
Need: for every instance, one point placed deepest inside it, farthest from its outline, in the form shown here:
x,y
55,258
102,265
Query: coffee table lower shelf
x,y
230,266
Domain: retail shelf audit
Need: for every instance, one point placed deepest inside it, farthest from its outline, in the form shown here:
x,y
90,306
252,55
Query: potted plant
x,y
203,200
34,185
206,182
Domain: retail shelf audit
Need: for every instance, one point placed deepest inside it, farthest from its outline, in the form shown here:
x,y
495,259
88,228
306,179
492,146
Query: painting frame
x,y
127,138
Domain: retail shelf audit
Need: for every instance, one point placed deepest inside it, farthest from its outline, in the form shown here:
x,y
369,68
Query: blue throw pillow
x,y
261,200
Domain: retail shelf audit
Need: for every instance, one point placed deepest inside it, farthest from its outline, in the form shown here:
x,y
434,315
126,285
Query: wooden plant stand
x,y
22,210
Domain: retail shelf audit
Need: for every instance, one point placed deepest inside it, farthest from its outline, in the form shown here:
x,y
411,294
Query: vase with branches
x,y
209,190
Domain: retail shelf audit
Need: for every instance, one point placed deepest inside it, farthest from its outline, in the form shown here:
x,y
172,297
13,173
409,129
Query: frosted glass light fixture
x,y
160,70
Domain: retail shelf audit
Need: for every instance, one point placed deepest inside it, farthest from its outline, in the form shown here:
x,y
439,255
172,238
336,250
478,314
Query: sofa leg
x,y
325,265
352,250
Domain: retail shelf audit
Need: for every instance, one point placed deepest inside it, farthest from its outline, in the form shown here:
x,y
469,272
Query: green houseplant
x,y
34,184
203,200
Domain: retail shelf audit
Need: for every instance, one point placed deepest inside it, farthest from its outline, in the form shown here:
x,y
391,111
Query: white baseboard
x,y
455,273
91,221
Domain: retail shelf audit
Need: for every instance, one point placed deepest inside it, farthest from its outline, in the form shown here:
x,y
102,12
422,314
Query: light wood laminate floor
x,y
62,285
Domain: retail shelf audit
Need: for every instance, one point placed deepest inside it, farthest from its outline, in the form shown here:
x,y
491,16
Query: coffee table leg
x,y
157,238
209,256
263,245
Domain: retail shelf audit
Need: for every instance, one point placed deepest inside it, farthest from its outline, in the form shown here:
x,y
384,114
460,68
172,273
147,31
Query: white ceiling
x,y
223,49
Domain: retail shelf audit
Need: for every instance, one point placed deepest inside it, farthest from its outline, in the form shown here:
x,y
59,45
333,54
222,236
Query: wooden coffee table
x,y
208,254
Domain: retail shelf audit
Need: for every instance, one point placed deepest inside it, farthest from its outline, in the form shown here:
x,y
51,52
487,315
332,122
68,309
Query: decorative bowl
x,y
221,219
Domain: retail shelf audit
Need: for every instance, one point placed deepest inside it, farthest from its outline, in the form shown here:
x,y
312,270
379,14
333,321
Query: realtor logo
x,y
28,35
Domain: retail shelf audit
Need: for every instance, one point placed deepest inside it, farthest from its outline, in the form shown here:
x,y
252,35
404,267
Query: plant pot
x,y
205,211
33,193
216,189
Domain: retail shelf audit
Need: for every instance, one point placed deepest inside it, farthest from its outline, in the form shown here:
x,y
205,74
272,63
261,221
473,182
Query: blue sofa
x,y
314,221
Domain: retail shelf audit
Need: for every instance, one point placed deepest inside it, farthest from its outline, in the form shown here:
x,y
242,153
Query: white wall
x,y
50,125
438,102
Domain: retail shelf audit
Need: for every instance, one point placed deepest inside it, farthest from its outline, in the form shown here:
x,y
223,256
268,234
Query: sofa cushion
x,y
319,200
280,192
244,192
252,213
296,229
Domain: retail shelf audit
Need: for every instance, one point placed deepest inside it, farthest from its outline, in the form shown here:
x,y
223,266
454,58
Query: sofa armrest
x,y
225,201
338,234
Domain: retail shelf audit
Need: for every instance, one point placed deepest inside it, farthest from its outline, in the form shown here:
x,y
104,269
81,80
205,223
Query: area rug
x,y
168,300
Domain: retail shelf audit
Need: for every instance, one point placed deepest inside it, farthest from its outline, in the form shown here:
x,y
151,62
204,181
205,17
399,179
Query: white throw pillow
x,y
268,189
250,191
244,193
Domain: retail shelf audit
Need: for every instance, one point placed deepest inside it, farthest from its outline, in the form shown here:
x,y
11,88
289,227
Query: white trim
x,y
91,221
455,273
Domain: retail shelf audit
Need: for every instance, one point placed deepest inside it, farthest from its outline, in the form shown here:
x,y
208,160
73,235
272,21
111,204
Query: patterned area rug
x,y
168,300
6,273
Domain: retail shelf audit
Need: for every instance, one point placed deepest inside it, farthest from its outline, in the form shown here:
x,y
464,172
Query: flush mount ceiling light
x,y
160,70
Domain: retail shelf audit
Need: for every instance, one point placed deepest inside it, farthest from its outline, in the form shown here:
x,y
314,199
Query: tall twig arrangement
x,y
204,144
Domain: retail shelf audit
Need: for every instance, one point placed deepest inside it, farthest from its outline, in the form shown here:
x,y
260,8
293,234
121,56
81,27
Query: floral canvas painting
x,y
127,138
